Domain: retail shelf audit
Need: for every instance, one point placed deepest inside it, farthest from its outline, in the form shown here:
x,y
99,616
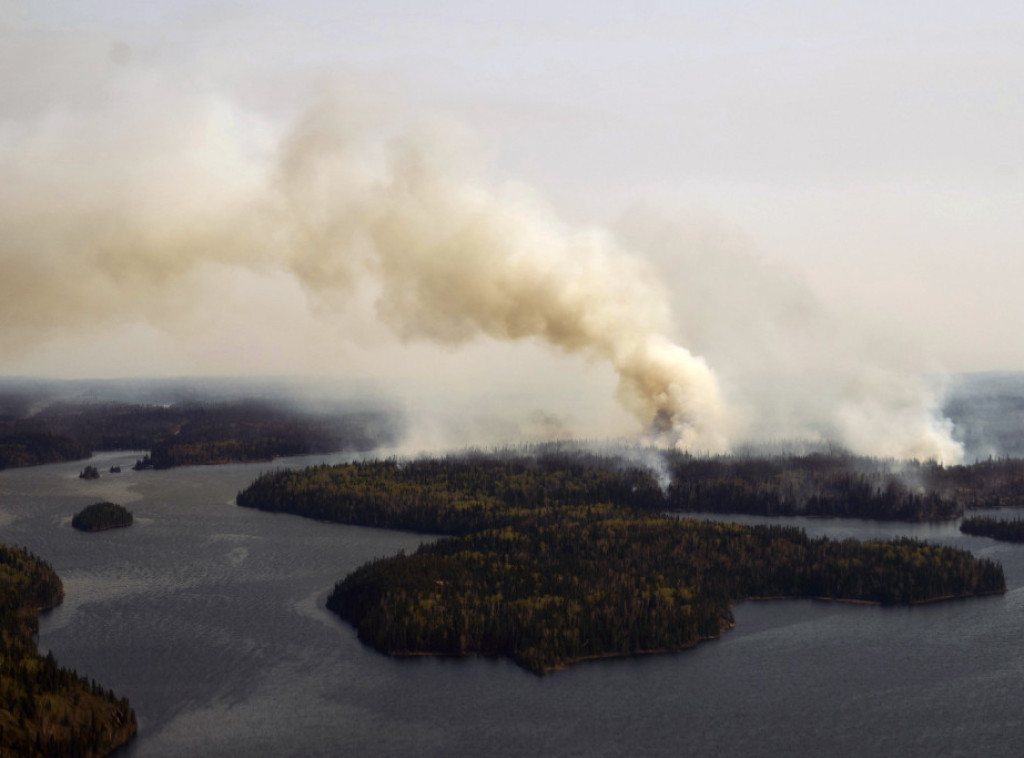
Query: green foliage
x,y
100,516
565,557
45,709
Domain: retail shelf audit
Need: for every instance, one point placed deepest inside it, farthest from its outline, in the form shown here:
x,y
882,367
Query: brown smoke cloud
x,y
454,261
96,232
196,220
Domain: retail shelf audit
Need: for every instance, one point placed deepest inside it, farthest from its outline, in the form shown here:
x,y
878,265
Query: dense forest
x,y
837,485
191,432
99,517
1011,530
45,709
991,483
840,485
22,448
256,431
558,558
187,433
36,426
455,494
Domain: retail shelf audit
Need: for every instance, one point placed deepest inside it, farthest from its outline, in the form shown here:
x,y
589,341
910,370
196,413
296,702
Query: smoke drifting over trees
x,y
167,209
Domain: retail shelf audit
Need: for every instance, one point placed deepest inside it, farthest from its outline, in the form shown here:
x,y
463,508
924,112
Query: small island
x,y
89,472
101,516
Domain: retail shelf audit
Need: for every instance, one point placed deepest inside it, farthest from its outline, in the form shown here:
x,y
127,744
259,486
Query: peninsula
x,y
558,558
46,709
1005,530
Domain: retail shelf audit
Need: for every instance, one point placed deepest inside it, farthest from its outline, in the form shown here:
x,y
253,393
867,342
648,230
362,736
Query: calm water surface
x,y
210,618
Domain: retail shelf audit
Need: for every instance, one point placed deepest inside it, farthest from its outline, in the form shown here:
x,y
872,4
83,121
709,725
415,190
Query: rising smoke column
x,y
167,214
119,216
795,370
453,261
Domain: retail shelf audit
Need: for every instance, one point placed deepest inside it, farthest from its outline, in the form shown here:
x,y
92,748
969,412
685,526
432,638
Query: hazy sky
x,y
811,182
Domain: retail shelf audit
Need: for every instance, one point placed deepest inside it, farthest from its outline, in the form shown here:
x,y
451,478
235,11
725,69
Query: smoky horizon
x,y
703,231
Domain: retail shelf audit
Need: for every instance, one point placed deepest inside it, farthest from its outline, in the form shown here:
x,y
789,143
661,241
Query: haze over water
x,y
694,224
210,619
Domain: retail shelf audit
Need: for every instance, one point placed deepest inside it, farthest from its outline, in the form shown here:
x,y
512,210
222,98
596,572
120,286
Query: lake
x,y
210,618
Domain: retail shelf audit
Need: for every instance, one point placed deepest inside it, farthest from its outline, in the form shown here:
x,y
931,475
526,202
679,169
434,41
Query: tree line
x,y
101,516
840,485
46,709
188,433
1010,530
554,559
23,448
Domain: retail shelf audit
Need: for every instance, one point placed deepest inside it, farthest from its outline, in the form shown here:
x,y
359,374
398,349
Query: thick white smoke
x,y
454,261
338,209
152,207
794,370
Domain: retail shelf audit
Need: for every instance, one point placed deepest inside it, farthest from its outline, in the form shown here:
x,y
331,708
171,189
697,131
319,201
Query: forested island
x,y
45,709
835,484
102,516
1011,530
557,558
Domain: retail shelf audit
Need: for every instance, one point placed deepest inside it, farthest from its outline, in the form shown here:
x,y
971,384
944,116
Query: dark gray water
x,y
210,619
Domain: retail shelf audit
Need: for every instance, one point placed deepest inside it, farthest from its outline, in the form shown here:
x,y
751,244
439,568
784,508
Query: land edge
x,y
566,663
120,735
102,528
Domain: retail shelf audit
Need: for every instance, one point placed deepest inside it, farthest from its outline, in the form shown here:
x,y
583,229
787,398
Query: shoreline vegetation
x,y
840,485
828,483
21,448
100,517
46,709
560,557
1006,530
187,433
833,484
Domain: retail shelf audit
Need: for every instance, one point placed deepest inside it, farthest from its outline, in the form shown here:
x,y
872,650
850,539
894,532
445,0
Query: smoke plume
x,y
454,261
171,219
793,370
339,210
